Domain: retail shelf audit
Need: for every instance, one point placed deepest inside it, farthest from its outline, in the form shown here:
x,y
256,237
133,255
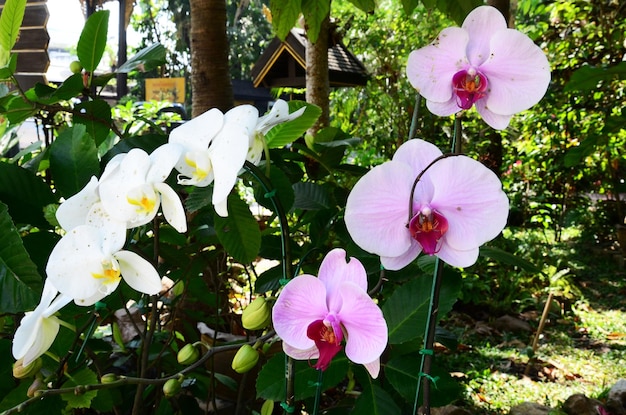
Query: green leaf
x,y
73,160
10,23
314,11
146,59
406,310
310,196
504,257
409,6
403,374
574,155
25,194
93,40
270,383
269,280
284,16
147,142
588,77
17,109
96,116
80,400
457,10
282,190
287,132
239,232
198,198
50,405
365,5
20,283
375,401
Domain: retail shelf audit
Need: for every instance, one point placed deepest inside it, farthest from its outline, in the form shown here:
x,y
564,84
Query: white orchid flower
x,y
39,327
132,187
213,151
88,263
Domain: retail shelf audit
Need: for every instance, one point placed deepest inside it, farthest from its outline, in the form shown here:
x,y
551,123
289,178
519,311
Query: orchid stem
x,y
413,127
318,391
457,138
429,340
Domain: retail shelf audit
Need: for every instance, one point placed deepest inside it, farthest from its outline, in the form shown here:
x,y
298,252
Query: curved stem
x,y
318,391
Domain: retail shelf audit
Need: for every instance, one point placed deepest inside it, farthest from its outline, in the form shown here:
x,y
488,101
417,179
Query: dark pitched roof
x,y
283,64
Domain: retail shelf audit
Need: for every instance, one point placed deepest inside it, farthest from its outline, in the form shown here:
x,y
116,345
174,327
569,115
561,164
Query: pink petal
x,y
300,354
495,121
518,73
444,109
336,270
456,258
417,153
301,302
482,24
365,325
431,68
373,368
470,197
401,261
377,209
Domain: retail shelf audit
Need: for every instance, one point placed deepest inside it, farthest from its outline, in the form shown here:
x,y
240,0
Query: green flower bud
x,y
108,378
257,315
245,359
188,355
267,408
171,388
76,67
22,372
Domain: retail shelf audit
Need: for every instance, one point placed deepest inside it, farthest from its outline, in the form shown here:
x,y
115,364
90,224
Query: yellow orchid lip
x,y
110,274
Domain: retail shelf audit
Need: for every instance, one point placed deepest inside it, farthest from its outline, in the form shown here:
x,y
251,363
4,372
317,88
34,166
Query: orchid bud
x,y
22,372
188,355
267,408
245,359
37,385
108,378
171,388
257,315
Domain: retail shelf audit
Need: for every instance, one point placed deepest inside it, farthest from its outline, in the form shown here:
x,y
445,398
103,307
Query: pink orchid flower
x,y
482,63
314,315
458,204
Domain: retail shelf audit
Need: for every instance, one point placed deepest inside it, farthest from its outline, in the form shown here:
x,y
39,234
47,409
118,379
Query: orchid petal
x,y
172,207
483,24
373,368
73,211
195,168
46,334
431,68
377,209
228,155
418,154
244,116
301,302
470,197
59,302
113,231
458,258
300,354
444,109
162,161
518,73
400,261
197,134
138,273
364,323
277,115
495,121
335,270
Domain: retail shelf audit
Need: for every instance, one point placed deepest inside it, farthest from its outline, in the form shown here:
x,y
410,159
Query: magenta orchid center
x,y
469,86
427,227
327,336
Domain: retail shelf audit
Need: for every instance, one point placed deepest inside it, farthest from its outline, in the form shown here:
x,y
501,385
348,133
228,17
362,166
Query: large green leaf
x,y
96,117
239,232
310,196
51,405
508,258
403,374
374,400
146,59
73,160
457,10
80,400
17,109
406,310
20,283
588,77
146,142
25,194
409,6
10,22
365,5
270,383
284,16
282,190
287,132
314,11
93,40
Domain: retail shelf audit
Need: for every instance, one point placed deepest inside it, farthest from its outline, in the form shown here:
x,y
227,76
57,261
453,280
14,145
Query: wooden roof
x,y
283,64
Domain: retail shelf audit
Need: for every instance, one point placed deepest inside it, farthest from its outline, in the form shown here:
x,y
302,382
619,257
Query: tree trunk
x,y
317,83
211,86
